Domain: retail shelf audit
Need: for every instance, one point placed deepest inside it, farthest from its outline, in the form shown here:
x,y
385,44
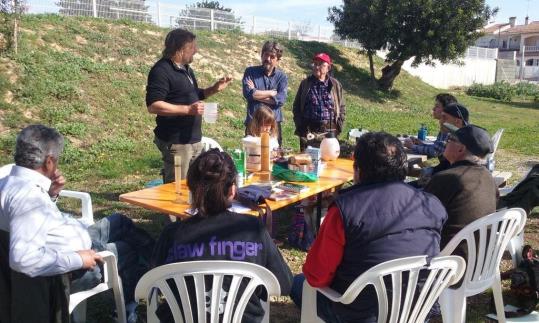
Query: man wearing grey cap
x,y
466,189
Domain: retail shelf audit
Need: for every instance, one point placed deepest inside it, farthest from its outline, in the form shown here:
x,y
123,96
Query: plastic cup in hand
x,y
210,112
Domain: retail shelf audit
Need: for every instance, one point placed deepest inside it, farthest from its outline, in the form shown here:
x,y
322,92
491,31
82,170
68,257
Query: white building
x,y
515,42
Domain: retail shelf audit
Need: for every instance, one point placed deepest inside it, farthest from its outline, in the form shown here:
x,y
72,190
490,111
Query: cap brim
x,y
450,127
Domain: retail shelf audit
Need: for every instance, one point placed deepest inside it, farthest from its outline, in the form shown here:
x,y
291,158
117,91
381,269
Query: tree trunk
x,y
371,65
389,73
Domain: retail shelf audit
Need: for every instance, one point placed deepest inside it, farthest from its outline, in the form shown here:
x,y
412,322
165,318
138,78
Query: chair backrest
x,y
210,143
486,239
5,170
495,140
215,299
111,280
423,284
87,214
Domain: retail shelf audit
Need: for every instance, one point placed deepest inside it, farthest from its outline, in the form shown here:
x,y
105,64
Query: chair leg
x,y
498,298
120,305
265,306
309,313
515,248
453,306
79,313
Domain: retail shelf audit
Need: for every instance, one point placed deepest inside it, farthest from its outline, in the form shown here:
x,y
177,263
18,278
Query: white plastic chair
x,y
495,140
405,307
210,143
492,232
216,301
111,280
110,274
87,214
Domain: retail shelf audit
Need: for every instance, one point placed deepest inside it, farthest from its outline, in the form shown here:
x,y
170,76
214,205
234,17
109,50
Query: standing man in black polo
x,y
173,95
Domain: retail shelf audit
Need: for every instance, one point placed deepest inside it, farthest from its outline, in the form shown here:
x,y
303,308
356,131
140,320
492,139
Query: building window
x,y
529,62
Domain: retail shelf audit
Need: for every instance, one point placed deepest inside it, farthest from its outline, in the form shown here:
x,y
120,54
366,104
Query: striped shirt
x,y
434,150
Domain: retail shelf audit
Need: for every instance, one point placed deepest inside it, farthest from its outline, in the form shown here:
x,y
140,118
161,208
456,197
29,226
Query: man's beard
x,y
268,67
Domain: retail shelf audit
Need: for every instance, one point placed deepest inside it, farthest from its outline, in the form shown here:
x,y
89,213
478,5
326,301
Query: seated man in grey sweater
x,y
467,189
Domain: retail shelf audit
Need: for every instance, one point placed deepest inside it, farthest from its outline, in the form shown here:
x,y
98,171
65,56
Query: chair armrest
x,y
330,293
505,190
87,212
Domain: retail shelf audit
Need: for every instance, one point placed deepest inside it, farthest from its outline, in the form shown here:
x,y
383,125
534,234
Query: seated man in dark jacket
x,y
466,189
380,218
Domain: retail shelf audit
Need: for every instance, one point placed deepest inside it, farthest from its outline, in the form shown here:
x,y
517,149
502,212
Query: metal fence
x,y
167,14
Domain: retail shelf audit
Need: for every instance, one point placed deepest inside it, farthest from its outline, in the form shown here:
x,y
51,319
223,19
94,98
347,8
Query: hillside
x,y
87,78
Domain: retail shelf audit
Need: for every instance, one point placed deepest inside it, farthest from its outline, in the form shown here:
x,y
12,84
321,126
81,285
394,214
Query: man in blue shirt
x,y
266,84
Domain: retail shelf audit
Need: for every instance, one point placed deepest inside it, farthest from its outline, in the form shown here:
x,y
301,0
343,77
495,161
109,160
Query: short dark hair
x,y
209,178
380,157
175,40
446,99
272,47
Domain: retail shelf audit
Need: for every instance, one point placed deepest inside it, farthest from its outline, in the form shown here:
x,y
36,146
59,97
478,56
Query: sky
x,y
315,11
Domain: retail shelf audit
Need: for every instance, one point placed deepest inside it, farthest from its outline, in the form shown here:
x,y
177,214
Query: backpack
x,y
524,283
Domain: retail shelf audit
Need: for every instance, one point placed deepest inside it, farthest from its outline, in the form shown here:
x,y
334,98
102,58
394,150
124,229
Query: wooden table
x,y
162,198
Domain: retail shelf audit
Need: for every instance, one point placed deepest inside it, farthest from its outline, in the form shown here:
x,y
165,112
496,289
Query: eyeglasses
x,y
461,116
452,138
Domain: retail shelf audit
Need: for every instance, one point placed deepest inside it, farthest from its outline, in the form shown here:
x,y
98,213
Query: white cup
x,y
210,112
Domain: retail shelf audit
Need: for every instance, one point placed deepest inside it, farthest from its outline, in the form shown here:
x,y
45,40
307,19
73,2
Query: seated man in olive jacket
x,y
467,189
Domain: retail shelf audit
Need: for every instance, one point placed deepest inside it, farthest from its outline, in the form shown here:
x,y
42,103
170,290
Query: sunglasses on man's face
x,y
461,116
453,138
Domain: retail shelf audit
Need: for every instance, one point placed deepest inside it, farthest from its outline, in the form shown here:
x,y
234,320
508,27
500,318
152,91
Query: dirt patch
x,y
80,40
8,98
10,70
517,164
152,33
58,47
27,31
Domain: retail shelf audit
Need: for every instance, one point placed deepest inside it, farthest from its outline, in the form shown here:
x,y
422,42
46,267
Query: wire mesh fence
x,y
172,15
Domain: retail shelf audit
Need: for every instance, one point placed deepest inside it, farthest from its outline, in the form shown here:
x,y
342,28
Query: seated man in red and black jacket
x,y
378,219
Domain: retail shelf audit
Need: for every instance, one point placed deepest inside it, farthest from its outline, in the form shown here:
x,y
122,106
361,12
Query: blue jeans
x,y
324,306
133,249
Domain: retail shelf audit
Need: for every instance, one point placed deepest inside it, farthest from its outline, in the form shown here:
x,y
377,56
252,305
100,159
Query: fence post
x,y
289,30
94,8
253,26
522,59
212,27
319,32
158,6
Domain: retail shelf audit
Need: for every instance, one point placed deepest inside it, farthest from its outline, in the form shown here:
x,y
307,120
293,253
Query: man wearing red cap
x,y
319,104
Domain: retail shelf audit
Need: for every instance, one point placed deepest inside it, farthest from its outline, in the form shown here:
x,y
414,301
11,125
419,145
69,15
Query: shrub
x,y
526,89
502,91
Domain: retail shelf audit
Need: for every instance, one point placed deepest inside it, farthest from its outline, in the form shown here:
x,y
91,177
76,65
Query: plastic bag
x,y
292,175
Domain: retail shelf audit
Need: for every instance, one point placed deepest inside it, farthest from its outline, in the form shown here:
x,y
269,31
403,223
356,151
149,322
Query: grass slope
x,y
87,78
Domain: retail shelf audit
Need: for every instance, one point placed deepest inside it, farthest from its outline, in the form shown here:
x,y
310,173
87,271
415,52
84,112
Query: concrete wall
x,y
474,70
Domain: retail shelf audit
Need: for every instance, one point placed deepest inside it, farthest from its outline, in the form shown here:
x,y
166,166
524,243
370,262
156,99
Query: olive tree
x,y
425,30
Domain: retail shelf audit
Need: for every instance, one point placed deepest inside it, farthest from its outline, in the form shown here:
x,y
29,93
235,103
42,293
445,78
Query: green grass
x,y
87,78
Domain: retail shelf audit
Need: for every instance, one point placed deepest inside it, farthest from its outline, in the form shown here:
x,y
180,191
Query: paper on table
x,y
238,208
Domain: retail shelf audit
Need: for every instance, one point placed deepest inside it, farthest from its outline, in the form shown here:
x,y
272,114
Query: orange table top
x,y
163,198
